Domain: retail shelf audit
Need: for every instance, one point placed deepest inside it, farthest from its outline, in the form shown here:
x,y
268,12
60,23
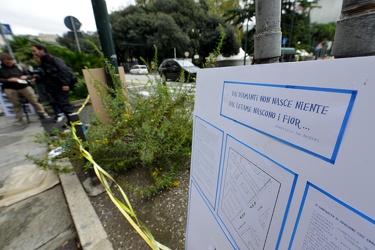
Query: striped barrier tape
x,y
126,209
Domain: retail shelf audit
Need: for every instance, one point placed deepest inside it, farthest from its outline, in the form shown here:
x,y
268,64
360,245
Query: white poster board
x,y
283,157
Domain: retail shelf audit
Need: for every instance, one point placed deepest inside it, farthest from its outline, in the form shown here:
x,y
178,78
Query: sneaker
x,y
59,118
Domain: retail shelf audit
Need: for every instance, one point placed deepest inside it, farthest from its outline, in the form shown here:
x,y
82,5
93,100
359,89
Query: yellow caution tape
x,y
84,104
125,209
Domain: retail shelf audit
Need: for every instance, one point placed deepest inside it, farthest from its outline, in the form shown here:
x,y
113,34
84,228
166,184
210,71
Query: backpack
x,y
56,64
73,79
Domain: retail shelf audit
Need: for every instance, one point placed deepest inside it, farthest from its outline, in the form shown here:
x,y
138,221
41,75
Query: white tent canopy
x,y
234,60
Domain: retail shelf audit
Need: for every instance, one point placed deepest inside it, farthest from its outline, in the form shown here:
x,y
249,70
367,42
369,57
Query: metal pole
x,y
245,47
105,35
267,39
7,42
75,34
291,26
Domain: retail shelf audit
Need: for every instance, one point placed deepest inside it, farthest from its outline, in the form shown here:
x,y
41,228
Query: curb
x,y
90,230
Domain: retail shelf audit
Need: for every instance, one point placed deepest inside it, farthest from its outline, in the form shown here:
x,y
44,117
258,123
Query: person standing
x,y
14,78
56,78
38,75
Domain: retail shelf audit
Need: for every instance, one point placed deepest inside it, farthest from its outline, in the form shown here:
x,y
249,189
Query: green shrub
x,y
144,131
80,90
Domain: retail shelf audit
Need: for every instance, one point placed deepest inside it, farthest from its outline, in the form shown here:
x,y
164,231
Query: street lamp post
x,y
105,35
292,24
246,36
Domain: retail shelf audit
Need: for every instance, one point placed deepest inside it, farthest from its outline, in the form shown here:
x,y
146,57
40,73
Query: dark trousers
x,y
45,97
62,99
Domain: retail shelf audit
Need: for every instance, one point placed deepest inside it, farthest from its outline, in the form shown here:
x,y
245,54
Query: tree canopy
x,y
86,39
173,26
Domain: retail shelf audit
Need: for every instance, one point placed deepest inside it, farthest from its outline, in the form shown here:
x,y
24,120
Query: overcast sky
x,y
32,17
329,11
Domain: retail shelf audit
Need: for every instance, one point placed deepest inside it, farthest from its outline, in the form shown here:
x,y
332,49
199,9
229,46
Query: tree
x,y
21,49
322,33
174,26
143,2
130,28
219,7
210,35
238,17
295,23
69,41
169,37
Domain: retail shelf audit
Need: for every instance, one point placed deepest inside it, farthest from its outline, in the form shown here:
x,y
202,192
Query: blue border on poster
x,y
221,151
308,185
331,160
295,178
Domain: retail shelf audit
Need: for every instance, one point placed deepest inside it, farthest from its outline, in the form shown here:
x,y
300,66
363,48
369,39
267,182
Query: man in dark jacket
x,y
14,78
56,77
38,74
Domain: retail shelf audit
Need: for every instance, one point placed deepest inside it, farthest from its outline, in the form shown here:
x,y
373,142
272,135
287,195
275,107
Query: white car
x,y
138,70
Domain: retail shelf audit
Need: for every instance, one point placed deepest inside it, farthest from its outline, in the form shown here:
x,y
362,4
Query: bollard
x,y
73,117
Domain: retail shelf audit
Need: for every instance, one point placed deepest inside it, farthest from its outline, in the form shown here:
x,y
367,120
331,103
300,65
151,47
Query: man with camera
x,y
15,82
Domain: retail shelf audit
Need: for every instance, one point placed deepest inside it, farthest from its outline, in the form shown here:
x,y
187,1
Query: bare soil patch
x,y
165,214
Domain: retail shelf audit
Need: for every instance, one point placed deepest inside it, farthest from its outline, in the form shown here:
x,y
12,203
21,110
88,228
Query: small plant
x,y
64,144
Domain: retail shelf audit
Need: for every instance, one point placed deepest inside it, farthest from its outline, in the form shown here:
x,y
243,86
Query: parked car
x,y
170,69
139,70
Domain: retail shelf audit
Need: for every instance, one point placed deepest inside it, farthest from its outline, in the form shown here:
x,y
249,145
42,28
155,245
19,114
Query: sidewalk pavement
x,y
56,218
